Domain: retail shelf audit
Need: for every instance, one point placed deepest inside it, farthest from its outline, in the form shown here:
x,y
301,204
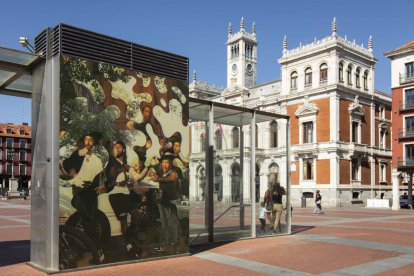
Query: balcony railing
x,y
406,106
405,164
404,133
406,78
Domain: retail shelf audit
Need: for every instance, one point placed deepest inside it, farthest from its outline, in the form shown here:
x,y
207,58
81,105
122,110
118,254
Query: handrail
x,y
217,218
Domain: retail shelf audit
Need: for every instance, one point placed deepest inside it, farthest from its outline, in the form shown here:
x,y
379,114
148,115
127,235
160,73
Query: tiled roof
x,y
402,49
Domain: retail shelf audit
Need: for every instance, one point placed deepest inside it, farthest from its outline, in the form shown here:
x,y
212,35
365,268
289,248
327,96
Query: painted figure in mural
x,y
81,168
277,210
168,178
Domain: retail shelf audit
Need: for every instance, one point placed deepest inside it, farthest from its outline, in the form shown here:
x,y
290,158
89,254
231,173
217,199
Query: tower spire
x,y
254,28
334,28
284,44
370,44
194,75
242,24
229,29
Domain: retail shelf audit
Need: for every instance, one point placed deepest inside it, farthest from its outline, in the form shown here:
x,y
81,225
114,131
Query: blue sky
x,y
198,30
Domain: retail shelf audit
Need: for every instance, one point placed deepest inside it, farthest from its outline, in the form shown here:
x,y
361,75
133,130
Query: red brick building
x,y
15,153
402,84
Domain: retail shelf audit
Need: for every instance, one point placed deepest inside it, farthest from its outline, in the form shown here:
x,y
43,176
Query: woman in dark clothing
x,y
318,203
277,210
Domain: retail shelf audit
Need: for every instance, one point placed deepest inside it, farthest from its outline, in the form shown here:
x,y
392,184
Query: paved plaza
x,y
343,241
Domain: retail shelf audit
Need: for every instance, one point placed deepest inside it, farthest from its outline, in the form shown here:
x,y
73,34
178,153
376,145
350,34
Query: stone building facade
x,y
340,126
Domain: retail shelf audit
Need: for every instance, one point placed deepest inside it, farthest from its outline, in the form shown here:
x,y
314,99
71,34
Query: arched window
x,y
273,134
323,73
357,78
341,72
219,139
294,80
308,76
365,80
235,135
349,74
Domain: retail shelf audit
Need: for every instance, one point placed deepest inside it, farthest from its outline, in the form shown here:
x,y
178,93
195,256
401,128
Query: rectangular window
x,y
383,175
409,97
308,132
409,69
355,169
409,126
409,154
22,132
382,138
9,154
9,131
23,143
307,169
9,168
355,132
9,142
22,169
22,155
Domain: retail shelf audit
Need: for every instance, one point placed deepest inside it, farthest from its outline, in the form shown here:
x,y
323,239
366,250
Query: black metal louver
x,y
81,43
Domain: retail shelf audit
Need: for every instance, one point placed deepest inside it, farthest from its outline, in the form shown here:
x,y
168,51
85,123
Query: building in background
x,y
340,126
402,84
15,153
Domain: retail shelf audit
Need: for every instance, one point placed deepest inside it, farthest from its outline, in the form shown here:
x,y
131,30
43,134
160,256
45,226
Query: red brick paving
x,y
310,257
290,252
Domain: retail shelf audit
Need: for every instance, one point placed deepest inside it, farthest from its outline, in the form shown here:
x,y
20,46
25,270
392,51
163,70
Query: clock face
x,y
234,68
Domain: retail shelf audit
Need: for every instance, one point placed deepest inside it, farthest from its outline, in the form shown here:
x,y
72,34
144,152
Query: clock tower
x,y
241,57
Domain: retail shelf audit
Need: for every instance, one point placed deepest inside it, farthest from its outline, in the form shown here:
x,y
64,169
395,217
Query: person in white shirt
x,y
262,217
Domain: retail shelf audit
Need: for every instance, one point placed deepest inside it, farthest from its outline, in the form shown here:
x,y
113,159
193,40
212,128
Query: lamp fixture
x,y
25,43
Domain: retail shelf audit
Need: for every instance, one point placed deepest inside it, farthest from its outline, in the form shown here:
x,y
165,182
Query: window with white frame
x,y
22,169
409,126
273,134
409,69
365,80
409,98
294,80
235,133
9,155
323,72
203,142
1,168
308,167
383,172
382,112
349,74
308,76
341,72
23,143
22,155
356,132
355,169
409,154
357,78
307,132
9,142
218,139
382,136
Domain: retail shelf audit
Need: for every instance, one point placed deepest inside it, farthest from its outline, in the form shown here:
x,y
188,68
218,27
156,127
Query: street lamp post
x,y
11,156
13,184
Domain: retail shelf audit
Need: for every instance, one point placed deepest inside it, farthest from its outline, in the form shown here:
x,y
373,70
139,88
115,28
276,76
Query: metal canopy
x,y
15,72
228,114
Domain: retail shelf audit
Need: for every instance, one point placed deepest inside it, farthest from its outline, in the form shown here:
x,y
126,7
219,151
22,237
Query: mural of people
x,y
124,151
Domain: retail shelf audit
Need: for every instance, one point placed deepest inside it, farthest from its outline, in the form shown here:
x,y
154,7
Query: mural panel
x,y
124,151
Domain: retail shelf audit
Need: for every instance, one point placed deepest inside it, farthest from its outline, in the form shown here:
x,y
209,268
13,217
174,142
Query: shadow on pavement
x,y
300,228
14,252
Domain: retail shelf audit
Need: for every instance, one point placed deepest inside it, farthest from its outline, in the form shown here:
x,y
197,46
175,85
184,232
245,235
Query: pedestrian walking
x,y
277,210
318,203
262,217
